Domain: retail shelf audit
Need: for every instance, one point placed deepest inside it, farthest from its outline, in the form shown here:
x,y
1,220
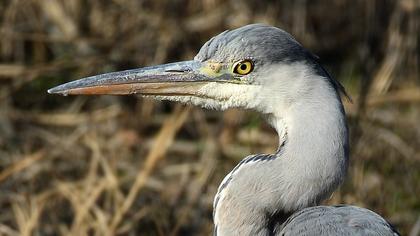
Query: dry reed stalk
x,y
21,164
394,140
8,71
69,119
196,186
7,231
164,139
54,10
99,161
384,76
408,95
87,202
93,187
401,96
27,215
401,46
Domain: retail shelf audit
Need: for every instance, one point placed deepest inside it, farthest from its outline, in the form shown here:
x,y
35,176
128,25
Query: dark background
x,y
129,166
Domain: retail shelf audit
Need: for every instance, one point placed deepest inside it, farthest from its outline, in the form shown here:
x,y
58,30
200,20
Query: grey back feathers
x,y
341,220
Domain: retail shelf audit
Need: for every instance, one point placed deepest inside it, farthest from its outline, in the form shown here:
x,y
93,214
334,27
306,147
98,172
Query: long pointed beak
x,y
180,78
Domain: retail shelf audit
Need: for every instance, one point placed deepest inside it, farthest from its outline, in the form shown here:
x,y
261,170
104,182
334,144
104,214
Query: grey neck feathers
x,y
310,164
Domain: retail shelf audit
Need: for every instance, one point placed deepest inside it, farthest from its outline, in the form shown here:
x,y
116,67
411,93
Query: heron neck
x,y
313,153
309,166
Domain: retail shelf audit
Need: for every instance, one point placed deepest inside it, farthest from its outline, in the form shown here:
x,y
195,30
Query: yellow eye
x,y
243,67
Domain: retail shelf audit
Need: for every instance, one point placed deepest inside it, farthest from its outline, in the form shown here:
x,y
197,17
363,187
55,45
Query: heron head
x,y
246,67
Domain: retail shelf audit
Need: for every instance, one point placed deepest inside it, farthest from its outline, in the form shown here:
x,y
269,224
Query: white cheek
x,y
196,101
228,95
220,96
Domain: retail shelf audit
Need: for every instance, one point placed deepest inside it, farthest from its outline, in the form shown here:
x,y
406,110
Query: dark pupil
x,y
243,67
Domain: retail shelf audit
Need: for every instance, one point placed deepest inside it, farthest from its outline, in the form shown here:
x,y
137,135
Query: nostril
x,y
178,71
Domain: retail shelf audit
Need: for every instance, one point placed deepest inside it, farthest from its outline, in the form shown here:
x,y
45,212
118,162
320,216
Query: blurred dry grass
x,y
128,166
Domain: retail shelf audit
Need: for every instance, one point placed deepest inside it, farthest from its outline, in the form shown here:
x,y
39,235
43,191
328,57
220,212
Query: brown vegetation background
x,y
129,166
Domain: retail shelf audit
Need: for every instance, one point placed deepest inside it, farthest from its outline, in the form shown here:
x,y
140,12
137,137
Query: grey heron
x,y
263,68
